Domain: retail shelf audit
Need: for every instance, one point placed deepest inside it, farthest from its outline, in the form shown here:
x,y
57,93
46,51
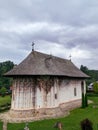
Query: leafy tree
x,y
3,91
92,73
5,67
84,69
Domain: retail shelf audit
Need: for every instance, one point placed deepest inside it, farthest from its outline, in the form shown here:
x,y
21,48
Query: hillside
x,y
92,73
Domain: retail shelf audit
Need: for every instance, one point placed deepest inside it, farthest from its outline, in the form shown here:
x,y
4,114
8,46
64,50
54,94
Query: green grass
x,y
71,122
5,99
1,125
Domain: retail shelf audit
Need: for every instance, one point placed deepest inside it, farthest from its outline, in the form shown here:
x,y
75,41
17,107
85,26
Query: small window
x,y
55,95
75,92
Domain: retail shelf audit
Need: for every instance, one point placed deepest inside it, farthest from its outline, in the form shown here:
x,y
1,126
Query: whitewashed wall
x,y
67,91
26,96
22,95
64,93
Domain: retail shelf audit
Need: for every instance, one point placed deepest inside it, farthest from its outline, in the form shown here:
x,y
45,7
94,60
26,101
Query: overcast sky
x,y
58,27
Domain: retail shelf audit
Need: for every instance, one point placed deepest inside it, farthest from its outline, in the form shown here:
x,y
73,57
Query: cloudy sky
x,y
58,27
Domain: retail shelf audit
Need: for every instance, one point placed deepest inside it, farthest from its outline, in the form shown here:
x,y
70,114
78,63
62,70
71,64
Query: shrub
x,y
92,94
5,107
86,124
86,100
95,87
3,91
83,101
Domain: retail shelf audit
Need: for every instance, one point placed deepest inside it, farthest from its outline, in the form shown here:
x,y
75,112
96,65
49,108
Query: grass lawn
x,y
5,99
1,125
71,122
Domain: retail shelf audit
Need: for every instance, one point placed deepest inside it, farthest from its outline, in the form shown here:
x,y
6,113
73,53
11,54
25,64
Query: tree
x,y
84,69
3,91
92,73
5,67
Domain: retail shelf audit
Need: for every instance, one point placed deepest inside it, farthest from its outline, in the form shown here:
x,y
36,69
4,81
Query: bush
x,y
86,100
86,124
92,94
95,87
3,91
83,101
5,107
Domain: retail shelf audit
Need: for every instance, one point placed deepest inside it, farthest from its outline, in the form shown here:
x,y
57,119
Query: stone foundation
x,y
68,106
17,116
21,113
62,110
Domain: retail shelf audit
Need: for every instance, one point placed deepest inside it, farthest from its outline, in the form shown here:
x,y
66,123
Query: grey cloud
x,y
76,12
76,24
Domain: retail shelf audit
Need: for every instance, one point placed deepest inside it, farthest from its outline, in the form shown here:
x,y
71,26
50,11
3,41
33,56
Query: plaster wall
x,y
69,90
22,95
66,91
27,96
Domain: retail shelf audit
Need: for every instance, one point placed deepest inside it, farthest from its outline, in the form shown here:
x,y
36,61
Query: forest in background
x,y
5,67
92,73
8,65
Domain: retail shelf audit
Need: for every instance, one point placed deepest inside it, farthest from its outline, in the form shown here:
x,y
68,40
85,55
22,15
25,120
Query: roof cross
x,y
70,57
33,46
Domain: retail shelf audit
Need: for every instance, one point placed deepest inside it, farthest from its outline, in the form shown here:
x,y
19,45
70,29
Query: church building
x,y
45,85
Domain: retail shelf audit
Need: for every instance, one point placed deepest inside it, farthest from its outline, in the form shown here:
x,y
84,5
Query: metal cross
x,y
33,46
70,57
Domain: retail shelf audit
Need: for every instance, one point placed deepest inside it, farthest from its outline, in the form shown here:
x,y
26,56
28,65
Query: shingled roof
x,y
37,63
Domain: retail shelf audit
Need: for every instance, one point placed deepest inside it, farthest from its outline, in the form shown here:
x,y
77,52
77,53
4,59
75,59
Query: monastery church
x,y
45,85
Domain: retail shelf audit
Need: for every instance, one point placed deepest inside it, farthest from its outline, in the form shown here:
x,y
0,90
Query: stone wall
x,y
62,110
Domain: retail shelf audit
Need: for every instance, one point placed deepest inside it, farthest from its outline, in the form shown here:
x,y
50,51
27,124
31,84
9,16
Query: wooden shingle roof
x,y
37,63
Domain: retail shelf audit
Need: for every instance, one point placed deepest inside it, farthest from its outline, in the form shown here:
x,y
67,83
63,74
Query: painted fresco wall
x,y
35,93
22,94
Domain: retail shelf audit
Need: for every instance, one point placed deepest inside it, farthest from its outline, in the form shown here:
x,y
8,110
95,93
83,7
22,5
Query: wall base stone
x,y
40,114
58,111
